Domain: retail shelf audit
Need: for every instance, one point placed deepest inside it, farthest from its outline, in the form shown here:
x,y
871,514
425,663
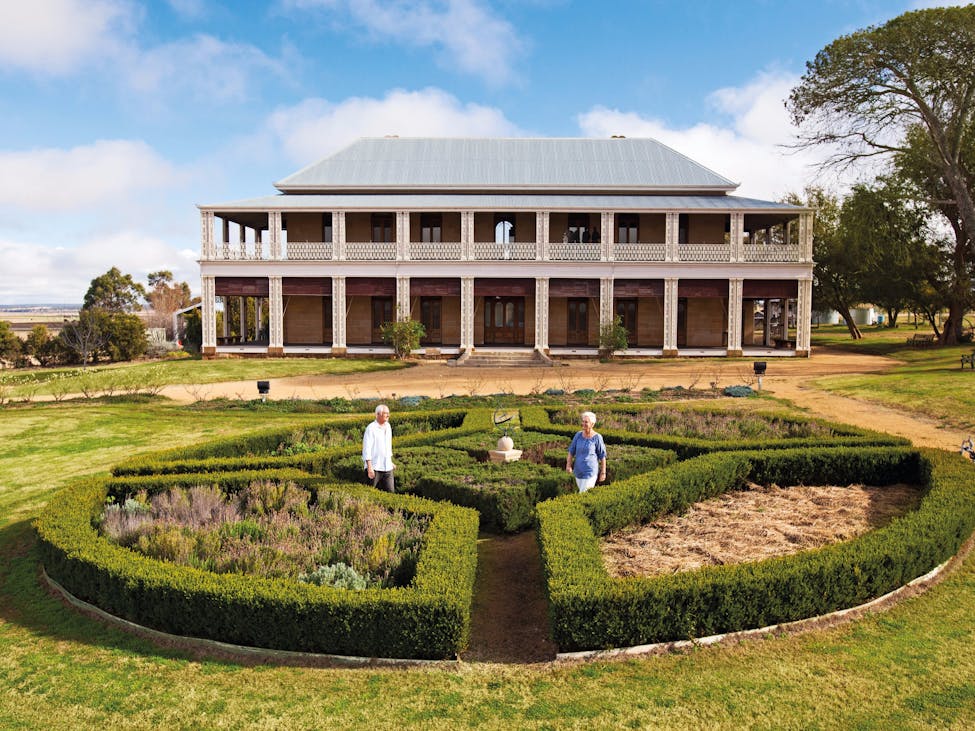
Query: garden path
x,y
509,622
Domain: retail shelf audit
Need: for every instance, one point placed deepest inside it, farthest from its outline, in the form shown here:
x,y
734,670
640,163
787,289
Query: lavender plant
x,y
271,530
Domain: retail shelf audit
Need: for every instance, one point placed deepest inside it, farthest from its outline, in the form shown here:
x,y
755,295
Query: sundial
x,y
502,417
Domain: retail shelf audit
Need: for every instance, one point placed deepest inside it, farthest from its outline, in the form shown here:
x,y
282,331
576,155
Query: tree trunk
x,y
850,324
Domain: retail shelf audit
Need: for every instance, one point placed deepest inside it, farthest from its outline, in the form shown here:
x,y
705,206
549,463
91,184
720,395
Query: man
x,y
377,451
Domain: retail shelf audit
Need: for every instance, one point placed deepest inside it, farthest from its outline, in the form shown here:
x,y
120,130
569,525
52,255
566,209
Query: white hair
x,y
592,416
381,407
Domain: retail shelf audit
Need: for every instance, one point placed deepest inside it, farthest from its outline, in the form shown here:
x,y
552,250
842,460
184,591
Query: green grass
x,y
911,667
120,376
926,381
875,341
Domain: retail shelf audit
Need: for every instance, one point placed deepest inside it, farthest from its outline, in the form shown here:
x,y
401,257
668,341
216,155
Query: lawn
x,y
926,381
911,667
121,377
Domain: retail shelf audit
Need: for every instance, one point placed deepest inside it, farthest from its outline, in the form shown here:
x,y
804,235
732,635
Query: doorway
x,y
504,320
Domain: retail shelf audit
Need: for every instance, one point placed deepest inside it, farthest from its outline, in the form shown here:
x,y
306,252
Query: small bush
x,y
338,575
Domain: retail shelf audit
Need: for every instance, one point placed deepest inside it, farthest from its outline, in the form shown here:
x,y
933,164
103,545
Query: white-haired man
x,y
377,451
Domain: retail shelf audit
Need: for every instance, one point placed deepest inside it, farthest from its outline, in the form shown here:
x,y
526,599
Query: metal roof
x,y
502,202
395,163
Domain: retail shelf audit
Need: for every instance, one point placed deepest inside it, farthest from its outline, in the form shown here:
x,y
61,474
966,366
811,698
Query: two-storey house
x,y
530,244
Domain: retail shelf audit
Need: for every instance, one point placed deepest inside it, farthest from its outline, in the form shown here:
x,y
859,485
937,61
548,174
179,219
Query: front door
x,y
382,312
504,320
577,321
430,310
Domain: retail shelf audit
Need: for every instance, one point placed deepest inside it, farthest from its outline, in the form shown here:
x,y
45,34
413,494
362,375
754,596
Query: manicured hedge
x,y
428,619
591,610
254,451
538,418
622,460
503,494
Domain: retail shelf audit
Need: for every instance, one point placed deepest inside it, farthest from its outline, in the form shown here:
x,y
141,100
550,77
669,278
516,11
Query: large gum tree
x,y
873,92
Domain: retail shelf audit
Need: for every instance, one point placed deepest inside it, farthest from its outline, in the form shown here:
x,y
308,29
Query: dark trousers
x,y
382,481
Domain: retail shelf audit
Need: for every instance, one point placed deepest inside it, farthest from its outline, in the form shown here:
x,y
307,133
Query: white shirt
x,y
377,446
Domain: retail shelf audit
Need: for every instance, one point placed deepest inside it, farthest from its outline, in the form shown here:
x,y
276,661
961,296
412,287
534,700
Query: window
x,y
327,227
629,225
431,226
382,227
504,228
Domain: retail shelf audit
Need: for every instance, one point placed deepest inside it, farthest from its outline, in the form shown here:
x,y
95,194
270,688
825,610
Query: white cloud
x,y
314,128
62,37
471,38
751,148
203,65
105,172
36,273
190,9
57,36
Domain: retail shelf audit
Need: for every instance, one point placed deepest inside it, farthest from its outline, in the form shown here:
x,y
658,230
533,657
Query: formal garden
x,y
266,539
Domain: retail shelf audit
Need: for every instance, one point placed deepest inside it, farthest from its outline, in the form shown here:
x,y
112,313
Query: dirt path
x,y
921,431
509,622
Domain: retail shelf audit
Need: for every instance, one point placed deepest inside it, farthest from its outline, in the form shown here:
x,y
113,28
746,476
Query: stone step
x,y
503,360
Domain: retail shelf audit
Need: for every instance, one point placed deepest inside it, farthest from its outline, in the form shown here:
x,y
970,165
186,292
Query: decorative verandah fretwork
x,y
734,299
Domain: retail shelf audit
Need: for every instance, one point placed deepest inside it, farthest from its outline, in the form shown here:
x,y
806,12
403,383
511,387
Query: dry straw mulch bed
x,y
754,524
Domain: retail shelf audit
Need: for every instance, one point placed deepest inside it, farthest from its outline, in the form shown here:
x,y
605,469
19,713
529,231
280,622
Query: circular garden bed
x,y
351,571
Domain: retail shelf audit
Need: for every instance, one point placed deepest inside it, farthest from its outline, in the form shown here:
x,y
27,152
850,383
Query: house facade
x,y
526,244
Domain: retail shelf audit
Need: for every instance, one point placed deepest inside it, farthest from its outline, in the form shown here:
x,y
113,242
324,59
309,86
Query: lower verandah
x,y
504,315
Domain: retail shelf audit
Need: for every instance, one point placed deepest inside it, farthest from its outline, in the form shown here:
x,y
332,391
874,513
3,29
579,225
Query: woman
x,y
587,454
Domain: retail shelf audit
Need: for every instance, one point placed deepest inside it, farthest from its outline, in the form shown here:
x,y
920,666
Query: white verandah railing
x,y
495,251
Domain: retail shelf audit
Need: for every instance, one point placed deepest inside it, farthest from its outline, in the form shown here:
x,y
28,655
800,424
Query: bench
x,y
921,340
968,359
784,343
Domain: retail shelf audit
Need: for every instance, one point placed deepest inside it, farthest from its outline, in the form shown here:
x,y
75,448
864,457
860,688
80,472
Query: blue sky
x,y
118,117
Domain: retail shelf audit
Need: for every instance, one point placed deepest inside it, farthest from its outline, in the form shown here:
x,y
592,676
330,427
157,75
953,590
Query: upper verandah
x,y
617,165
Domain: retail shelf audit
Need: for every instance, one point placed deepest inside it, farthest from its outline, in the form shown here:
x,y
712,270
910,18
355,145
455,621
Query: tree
x,y
880,224
114,292
838,269
125,335
904,88
955,255
10,347
37,340
166,297
84,336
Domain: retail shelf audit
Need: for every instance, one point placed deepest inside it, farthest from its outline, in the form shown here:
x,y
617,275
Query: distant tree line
x,y
107,328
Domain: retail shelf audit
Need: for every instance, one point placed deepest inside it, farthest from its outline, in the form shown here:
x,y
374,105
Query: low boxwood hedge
x,y
428,619
503,494
255,451
591,610
622,460
538,418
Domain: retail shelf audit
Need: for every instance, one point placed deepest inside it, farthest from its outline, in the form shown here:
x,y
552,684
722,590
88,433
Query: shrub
x,y
613,336
403,335
338,575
